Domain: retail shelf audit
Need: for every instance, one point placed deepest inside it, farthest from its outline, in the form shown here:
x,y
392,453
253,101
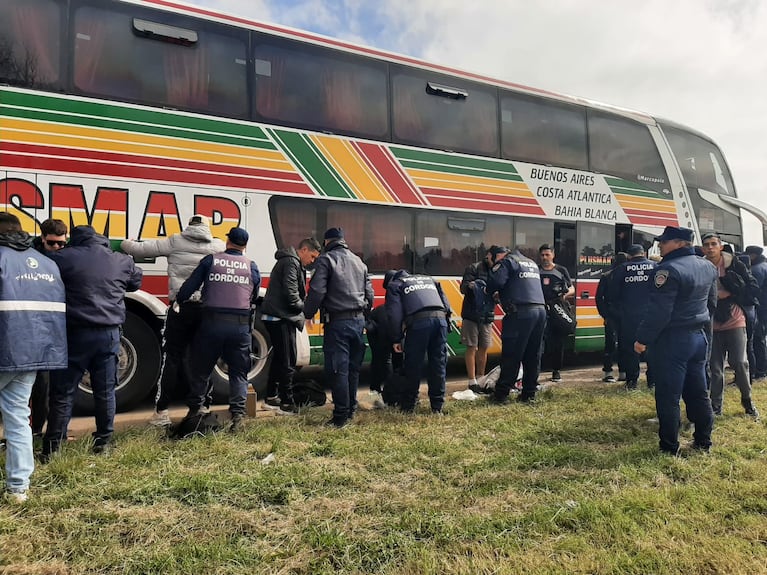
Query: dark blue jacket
x,y
408,295
683,295
759,271
96,279
632,282
474,308
517,279
605,296
32,309
200,274
340,282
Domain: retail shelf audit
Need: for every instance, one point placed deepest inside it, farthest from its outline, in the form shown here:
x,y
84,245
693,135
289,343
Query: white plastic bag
x,y
302,347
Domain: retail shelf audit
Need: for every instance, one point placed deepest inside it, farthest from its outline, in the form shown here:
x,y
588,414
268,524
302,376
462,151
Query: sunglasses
x,y
59,243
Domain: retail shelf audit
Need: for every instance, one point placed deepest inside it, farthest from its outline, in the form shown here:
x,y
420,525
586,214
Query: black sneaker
x,y
496,400
526,398
337,423
101,448
751,410
237,424
556,377
631,385
608,378
272,403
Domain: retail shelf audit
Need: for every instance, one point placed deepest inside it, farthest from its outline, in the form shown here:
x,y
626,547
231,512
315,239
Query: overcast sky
x,y
702,63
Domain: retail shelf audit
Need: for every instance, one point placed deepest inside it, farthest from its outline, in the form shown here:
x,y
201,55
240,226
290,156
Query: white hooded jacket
x,y
184,251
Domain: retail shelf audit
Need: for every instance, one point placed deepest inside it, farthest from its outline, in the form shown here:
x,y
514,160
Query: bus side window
x,y
30,42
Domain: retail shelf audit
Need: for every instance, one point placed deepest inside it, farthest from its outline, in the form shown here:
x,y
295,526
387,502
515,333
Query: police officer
x,y
607,308
759,271
682,300
518,283
632,287
229,281
341,288
416,305
557,287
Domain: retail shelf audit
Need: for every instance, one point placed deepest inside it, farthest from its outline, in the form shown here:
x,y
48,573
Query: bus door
x,y
565,246
623,237
595,251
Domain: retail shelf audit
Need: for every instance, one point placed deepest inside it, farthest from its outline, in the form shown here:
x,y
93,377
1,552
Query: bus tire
x,y
136,378
260,360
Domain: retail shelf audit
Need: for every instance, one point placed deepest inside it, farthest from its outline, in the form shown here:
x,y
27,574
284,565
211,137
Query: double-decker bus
x,y
132,115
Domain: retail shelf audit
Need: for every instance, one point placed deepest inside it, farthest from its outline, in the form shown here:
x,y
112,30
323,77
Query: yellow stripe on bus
x,y
429,179
646,203
352,168
109,140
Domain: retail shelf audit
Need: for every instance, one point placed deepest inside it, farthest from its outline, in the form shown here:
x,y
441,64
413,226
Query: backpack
x,y
393,387
561,315
309,393
198,425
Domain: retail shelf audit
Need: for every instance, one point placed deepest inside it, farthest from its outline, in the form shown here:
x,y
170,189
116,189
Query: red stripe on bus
x,y
428,192
392,174
472,205
115,157
652,221
90,167
650,213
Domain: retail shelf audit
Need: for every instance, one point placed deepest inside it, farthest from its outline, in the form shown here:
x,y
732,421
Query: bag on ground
x,y
309,393
198,425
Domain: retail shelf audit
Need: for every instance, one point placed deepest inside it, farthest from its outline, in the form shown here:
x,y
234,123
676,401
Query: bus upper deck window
x,y
164,33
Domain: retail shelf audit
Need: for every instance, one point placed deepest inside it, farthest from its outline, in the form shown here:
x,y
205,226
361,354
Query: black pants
x,y
611,346
284,356
178,333
554,347
39,401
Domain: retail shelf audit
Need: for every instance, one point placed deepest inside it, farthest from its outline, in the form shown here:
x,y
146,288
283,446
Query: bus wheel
x,y
137,368
260,360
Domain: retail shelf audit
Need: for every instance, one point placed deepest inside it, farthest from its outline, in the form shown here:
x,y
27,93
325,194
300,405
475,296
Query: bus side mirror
x,y
585,295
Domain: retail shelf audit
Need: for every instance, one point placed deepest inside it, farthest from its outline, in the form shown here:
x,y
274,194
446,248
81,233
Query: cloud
x,y
701,63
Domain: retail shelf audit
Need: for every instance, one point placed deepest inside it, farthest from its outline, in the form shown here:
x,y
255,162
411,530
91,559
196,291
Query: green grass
x,y
572,484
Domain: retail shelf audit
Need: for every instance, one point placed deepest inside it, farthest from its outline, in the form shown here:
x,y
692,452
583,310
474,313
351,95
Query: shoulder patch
x,y
660,278
496,267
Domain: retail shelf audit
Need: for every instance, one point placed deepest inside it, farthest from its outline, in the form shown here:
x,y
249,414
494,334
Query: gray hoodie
x,y
184,251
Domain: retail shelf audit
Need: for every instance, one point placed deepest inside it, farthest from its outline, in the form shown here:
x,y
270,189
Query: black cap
x,y
334,233
238,236
672,233
754,250
496,250
635,250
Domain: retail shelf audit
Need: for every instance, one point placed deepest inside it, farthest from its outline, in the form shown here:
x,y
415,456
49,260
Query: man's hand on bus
x,y
639,347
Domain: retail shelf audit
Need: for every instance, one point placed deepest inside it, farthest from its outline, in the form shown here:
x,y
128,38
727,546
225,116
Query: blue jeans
x,y
678,358
15,389
226,336
92,349
344,348
522,342
425,337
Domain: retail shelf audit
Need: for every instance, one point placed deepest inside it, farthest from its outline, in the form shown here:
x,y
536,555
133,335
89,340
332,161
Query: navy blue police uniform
x,y
341,288
230,282
759,271
418,311
518,283
632,282
681,302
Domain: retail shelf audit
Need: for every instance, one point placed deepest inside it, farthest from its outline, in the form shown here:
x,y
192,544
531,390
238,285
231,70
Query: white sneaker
x,y
471,382
379,403
17,496
204,410
161,419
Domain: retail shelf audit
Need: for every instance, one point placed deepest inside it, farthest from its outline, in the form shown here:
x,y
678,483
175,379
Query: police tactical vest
x,y
635,279
418,293
553,282
229,284
524,284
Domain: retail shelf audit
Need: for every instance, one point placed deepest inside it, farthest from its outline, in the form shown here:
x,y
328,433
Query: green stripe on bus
x,y
453,160
460,171
630,187
589,331
312,164
131,119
